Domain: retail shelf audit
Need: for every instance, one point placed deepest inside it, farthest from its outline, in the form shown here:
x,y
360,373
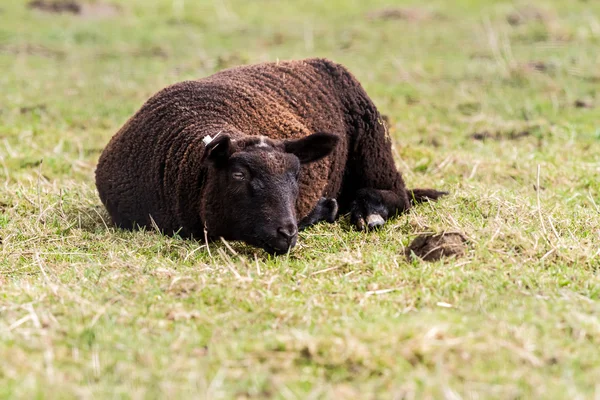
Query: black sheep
x,y
248,152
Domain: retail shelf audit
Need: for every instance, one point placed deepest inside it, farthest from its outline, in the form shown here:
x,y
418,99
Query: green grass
x,y
90,311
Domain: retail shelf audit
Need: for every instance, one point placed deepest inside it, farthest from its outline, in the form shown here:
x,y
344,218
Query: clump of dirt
x,y
525,70
527,14
584,103
434,247
430,140
38,108
412,14
539,66
498,135
86,10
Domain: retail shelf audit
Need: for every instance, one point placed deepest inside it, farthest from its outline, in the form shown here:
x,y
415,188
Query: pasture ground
x,y
495,101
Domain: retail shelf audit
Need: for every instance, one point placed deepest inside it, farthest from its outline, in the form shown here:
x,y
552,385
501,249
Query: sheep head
x,y
251,187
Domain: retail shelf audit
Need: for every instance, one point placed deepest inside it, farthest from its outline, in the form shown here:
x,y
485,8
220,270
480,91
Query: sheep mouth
x,y
276,250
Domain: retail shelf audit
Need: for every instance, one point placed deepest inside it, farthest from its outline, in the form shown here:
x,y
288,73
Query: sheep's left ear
x,y
313,147
217,149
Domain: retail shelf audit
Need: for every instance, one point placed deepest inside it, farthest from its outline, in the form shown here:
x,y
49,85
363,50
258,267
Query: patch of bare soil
x,y
228,60
99,10
85,10
58,6
152,52
499,135
434,247
527,14
31,49
411,14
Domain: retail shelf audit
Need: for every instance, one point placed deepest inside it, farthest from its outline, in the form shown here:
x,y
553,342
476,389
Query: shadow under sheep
x,y
428,247
96,220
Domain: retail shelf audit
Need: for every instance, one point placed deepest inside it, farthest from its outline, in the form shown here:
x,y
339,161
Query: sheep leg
x,y
325,210
373,188
372,207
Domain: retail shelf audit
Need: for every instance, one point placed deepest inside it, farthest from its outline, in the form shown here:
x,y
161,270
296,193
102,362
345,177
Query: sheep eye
x,y
238,176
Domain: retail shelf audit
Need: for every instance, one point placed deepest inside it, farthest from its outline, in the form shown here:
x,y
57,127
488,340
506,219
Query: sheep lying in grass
x,y
250,151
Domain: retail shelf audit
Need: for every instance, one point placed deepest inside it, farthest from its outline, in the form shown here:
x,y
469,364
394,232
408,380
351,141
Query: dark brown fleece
x,y
152,168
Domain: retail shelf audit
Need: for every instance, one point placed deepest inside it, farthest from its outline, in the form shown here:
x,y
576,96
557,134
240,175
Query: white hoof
x,y
374,220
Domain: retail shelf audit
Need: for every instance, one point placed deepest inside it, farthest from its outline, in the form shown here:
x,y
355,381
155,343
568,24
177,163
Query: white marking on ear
x,y
262,142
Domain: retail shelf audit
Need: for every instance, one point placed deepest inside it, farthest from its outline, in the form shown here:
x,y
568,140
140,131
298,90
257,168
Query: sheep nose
x,y
288,232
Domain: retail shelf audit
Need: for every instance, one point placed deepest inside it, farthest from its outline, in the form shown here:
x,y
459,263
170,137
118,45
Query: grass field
x,y
495,101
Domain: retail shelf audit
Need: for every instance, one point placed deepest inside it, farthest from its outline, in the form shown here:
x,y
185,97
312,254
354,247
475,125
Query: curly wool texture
x,y
151,170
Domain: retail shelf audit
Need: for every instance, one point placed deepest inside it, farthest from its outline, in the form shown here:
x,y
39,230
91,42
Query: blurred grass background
x,y
496,101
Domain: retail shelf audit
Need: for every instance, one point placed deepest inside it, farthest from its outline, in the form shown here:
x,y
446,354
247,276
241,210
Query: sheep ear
x,y
313,147
217,149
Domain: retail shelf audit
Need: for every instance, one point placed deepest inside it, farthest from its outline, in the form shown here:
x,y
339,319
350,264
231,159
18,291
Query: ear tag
x,y
207,139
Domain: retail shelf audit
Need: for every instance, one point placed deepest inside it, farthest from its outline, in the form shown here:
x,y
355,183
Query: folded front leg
x,y
325,210
372,207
